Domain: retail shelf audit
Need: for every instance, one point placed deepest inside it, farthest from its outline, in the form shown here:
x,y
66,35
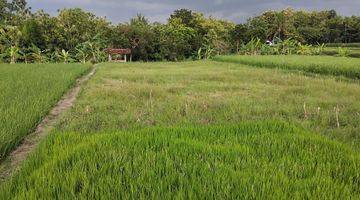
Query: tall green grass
x,y
133,96
326,65
253,160
27,94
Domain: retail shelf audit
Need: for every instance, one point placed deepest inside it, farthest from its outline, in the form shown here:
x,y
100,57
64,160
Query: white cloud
x,y
159,10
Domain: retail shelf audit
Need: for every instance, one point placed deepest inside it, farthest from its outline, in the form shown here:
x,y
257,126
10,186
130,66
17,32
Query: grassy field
x,y
267,160
326,65
205,129
343,45
353,49
353,52
28,92
138,95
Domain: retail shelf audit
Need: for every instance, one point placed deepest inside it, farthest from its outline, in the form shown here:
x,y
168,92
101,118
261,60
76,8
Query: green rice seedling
x,y
28,92
249,160
326,65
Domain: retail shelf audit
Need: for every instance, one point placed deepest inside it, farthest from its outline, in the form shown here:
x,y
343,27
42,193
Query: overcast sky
x,y
159,10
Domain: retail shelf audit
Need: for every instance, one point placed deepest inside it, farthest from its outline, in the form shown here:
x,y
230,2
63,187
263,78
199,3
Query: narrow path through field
x,y
12,163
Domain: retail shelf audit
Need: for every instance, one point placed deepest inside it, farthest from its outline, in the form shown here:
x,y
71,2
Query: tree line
x,y
75,35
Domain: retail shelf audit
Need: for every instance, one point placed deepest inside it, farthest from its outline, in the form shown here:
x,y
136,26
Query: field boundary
x,y
309,68
30,142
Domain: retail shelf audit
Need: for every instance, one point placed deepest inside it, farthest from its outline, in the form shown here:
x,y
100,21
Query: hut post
x,y
110,57
125,58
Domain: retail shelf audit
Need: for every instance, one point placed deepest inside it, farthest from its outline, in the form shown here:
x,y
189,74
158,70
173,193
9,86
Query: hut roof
x,y
118,51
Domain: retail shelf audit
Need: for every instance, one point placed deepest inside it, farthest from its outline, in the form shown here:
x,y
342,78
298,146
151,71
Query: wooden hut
x,y
118,55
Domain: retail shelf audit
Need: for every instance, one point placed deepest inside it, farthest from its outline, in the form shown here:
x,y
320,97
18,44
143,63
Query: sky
x,y
237,11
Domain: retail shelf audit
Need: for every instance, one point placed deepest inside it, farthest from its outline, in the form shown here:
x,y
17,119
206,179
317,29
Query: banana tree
x,y
209,52
304,49
288,46
2,40
14,54
252,47
318,49
54,56
91,50
38,55
199,54
65,56
81,54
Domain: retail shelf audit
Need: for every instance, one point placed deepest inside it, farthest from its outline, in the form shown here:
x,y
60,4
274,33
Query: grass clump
x,y
325,65
28,92
250,160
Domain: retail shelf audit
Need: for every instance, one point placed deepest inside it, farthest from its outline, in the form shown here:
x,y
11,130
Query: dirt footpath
x,y
14,160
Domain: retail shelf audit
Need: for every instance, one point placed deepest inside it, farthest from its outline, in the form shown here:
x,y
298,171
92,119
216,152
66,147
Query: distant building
x,y
269,42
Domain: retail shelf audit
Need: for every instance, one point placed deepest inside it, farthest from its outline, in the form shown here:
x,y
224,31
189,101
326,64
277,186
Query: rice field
x,y
351,45
201,130
353,52
138,95
257,160
28,92
323,65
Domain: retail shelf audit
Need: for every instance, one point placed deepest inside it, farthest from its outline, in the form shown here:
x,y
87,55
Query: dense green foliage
x,y
282,47
75,35
269,160
137,95
306,27
28,92
347,67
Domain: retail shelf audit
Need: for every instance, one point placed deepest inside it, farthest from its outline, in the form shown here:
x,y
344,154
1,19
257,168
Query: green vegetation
x,y
348,45
28,92
286,47
262,124
196,130
353,52
75,35
137,95
346,67
270,160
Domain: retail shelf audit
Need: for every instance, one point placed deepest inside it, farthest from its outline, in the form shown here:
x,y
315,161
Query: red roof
x,y
118,51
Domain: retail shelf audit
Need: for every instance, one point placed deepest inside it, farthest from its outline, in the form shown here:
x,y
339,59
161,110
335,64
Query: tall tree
x,y
32,34
280,24
186,17
3,10
239,35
